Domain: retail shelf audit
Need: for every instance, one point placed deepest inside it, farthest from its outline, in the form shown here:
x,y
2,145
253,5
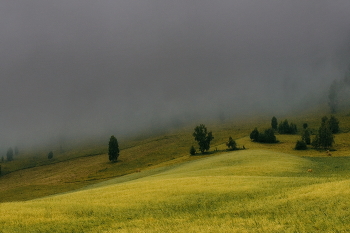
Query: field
x,y
242,191
158,187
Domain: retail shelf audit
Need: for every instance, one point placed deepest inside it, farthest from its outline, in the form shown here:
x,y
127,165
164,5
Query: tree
x,y
2,159
50,155
254,135
333,96
9,154
203,138
192,150
305,125
334,124
305,137
231,144
324,138
113,149
274,123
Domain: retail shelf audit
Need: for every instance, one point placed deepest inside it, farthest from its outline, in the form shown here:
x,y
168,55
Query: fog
x,y
84,68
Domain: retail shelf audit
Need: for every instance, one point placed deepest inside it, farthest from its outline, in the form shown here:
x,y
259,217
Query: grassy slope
x,y
276,182
242,191
32,175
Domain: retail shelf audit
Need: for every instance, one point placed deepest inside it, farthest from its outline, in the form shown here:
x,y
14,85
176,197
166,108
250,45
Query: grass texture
x,y
254,190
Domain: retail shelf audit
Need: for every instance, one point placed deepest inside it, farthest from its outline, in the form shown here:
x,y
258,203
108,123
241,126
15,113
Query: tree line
x,y
324,137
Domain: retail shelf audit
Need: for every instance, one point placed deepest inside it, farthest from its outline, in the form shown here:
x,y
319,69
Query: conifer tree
x,y
274,123
113,149
9,154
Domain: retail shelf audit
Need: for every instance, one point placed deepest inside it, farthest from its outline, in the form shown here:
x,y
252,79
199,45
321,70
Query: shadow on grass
x,y
216,151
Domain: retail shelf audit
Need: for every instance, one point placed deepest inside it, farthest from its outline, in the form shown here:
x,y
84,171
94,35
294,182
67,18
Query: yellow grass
x,y
241,191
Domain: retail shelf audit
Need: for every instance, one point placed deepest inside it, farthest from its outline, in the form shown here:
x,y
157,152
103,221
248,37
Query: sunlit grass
x,y
241,191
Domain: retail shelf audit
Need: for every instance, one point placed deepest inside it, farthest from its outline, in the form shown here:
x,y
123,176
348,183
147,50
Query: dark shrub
x,y
300,145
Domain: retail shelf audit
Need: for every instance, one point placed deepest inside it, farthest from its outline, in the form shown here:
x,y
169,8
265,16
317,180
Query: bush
x,y
192,150
300,145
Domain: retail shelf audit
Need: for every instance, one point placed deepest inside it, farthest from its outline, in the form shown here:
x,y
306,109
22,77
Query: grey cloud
x,y
87,67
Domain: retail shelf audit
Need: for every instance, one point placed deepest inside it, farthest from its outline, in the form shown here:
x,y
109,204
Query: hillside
x,y
241,191
32,175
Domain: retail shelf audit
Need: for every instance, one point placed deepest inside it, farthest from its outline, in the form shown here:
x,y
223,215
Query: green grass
x,y
241,191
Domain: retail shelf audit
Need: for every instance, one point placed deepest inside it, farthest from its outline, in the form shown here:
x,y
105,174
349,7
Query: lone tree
x,y
50,155
203,138
274,123
9,154
231,144
113,149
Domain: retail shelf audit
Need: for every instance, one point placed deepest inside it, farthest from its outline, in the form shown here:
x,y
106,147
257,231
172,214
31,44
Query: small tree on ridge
x,y
113,149
203,137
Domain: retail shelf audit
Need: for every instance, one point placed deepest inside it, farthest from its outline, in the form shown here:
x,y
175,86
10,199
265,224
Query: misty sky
x,y
83,67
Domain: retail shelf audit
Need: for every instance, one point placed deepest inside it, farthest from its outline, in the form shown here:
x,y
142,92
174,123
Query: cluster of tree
x,y
324,137
305,138
203,137
285,128
268,136
10,154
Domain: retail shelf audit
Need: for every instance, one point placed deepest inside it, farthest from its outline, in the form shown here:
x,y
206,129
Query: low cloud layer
x,y
88,67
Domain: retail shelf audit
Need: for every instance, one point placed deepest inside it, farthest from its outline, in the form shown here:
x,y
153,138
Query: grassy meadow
x,y
240,191
156,186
